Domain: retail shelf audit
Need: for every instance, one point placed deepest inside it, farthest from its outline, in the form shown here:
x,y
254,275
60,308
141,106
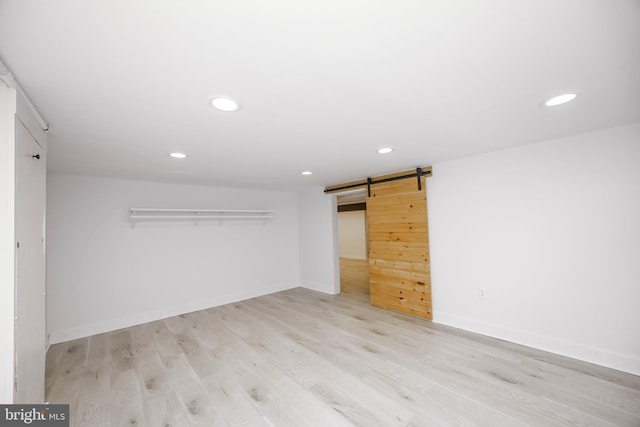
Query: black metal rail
x,y
419,173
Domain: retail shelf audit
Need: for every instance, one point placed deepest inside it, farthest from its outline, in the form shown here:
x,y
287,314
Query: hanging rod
x,y
199,214
133,210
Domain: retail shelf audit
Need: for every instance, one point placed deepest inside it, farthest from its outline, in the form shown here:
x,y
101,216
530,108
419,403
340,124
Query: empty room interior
x,y
336,213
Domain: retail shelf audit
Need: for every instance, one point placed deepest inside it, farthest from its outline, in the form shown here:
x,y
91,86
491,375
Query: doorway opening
x,y
397,239
352,243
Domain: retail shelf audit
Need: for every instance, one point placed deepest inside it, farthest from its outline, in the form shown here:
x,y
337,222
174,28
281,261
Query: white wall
x,y
103,274
7,239
318,233
352,235
551,232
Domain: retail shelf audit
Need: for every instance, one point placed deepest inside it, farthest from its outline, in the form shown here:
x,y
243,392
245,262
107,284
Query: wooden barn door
x,y
399,268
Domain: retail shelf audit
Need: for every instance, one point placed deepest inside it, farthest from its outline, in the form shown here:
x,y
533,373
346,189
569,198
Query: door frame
x,y
334,218
364,185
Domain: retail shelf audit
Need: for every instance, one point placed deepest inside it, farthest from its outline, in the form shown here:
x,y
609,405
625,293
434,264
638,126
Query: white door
x,y
30,324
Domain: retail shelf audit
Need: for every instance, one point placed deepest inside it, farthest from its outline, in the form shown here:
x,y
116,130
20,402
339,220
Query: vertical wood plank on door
x,y
399,267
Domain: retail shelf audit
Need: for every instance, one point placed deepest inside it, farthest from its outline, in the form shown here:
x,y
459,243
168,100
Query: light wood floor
x,y
354,276
302,358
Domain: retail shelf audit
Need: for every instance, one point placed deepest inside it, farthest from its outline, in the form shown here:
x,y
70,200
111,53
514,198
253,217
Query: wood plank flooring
x,y
302,358
354,276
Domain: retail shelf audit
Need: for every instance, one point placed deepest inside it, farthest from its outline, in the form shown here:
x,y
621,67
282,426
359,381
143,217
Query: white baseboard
x,y
609,359
151,316
320,287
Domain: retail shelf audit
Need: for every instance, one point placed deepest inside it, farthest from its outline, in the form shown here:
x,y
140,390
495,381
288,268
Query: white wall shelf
x,y
137,214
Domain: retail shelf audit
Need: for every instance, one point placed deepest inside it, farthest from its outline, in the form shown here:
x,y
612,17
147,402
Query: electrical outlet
x,y
482,293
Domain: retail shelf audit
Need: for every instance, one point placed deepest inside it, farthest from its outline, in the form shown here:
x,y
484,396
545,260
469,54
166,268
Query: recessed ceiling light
x,y
225,103
307,173
560,99
385,150
178,155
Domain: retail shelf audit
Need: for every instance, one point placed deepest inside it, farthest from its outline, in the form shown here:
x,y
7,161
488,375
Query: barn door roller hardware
x,y
418,174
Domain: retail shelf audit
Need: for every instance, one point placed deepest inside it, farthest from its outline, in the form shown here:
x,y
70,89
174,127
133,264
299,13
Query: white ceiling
x,y
323,84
